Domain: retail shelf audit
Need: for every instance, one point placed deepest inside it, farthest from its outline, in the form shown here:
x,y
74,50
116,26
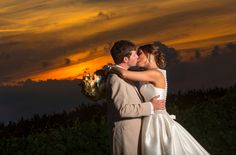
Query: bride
x,y
161,135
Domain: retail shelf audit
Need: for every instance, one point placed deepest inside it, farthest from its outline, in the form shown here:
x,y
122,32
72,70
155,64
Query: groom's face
x,y
133,59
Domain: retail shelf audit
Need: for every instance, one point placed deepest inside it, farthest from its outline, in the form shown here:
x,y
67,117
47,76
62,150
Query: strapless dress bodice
x,y
149,91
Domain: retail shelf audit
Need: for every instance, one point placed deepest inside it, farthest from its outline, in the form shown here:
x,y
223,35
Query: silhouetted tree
x,y
216,51
231,46
197,54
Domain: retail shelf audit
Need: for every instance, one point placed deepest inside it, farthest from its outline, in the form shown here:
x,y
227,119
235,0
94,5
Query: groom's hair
x,y
121,49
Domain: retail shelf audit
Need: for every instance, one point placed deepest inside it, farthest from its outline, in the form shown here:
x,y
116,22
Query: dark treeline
x,y
209,115
42,97
44,123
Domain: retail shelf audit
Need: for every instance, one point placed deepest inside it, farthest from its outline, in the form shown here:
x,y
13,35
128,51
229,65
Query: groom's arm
x,y
120,99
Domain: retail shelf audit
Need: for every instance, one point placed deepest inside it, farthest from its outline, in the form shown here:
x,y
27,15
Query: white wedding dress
x,y
161,135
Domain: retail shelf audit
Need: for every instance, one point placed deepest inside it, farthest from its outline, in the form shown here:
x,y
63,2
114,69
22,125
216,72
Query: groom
x,y
125,104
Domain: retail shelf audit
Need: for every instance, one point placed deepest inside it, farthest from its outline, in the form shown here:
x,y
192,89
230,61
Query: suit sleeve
x,y
120,99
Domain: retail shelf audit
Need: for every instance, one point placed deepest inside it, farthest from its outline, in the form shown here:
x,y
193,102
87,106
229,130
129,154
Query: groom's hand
x,y
158,104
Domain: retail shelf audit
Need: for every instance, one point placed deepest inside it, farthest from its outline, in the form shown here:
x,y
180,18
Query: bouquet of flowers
x,y
94,85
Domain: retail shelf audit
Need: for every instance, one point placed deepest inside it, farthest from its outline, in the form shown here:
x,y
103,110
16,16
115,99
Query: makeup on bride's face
x,y
142,60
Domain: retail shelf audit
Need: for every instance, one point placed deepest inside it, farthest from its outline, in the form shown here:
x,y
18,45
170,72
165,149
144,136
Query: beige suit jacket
x,y
125,111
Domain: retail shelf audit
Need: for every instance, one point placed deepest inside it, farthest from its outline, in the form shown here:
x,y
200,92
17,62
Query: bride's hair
x,y
154,50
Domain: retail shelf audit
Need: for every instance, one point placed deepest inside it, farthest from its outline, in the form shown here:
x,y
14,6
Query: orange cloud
x,y
73,71
35,32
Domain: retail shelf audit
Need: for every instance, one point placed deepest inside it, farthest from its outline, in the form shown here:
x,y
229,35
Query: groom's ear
x,y
125,59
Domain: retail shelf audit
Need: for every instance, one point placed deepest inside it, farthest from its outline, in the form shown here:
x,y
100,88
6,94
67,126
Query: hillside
x,y
208,115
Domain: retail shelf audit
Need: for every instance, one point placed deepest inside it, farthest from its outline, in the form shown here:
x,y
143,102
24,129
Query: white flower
x,y
93,86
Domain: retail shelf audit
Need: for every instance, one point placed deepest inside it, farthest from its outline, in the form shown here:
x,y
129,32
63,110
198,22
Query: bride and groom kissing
x,y
137,117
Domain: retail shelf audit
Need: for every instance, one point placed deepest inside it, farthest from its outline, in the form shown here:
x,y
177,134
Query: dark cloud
x,y
103,15
16,7
231,46
5,78
4,22
204,73
27,47
29,52
207,42
46,64
42,98
4,56
156,26
67,61
171,54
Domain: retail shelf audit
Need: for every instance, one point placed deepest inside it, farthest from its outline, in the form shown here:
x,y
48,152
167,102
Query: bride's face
x,y
142,60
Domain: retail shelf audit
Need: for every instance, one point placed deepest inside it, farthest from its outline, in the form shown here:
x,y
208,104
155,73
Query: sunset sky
x,y
62,39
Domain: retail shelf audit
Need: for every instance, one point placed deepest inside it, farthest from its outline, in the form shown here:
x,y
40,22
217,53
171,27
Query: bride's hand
x,y
109,69
158,104
116,70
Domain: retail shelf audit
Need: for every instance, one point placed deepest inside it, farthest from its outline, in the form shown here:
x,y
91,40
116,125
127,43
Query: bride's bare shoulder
x,y
155,72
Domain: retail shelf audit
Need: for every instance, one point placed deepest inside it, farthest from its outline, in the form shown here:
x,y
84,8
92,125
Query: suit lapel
x,y
135,88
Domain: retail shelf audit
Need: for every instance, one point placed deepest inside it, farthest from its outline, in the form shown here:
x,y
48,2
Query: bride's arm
x,y
147,76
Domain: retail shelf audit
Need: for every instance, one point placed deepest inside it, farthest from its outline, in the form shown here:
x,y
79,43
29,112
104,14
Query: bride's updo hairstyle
x,y
154,50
